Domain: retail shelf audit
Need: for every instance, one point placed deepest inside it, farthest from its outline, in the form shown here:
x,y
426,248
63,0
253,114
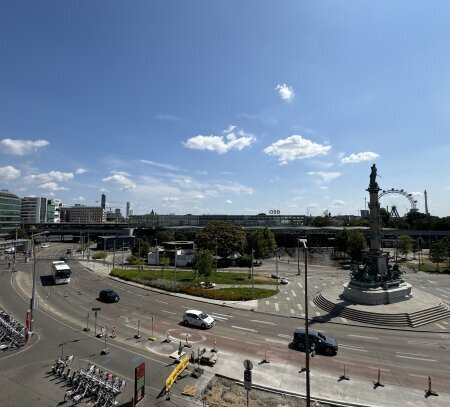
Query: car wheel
x,y
203,326
185,322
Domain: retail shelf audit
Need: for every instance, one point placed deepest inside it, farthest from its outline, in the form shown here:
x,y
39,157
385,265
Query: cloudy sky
x,y
226,107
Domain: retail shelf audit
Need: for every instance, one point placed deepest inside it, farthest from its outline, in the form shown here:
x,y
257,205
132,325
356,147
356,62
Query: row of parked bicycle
x,y
99,387
12,332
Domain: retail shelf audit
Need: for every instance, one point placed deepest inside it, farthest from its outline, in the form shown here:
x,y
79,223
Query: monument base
x,y
362,294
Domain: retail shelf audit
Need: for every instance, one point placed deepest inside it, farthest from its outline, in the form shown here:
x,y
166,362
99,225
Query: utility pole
x,y
253,288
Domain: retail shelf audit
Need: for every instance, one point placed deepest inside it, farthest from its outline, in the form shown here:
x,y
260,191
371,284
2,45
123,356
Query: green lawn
x,y
187,282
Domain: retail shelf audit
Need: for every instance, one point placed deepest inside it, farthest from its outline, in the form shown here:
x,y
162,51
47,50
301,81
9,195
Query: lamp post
x,y
33,290
253,290
307,350
298,256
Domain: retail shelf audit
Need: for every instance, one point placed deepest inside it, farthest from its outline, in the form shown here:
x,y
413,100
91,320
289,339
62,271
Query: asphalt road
x,y
404,357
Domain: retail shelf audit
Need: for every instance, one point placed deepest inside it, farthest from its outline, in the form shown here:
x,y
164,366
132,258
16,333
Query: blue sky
x,y
226,107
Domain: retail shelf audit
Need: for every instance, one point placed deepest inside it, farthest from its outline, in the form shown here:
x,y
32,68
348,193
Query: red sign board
x,y
139,382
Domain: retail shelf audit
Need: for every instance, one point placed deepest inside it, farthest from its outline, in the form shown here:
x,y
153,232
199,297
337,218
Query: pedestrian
x,y
9,264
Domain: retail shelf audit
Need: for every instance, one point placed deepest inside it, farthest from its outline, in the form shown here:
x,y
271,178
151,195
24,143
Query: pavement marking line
x,y
273,341
445,322
161,302
284,336
217,317
432,282
350,347
300,284
423,343
277,308
364,337
287,299
293,293
292,311
440,289
168,312
379,368
262,322
300,307
312,304
344,320
439,325
224,315
267,302
318,314
412,357
102,316
316,286
244,329
413,354
417,375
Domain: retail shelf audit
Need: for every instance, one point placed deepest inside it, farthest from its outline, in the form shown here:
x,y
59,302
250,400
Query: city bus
x,y
60,272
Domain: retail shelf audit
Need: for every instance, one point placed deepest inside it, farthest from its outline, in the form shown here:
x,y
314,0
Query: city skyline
x,y
226,108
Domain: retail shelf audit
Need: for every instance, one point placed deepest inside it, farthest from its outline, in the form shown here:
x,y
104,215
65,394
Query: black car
x,y
317,341
109,295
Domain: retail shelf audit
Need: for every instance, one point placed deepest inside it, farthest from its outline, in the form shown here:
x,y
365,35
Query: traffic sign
x,y
248,379
248,364
96,309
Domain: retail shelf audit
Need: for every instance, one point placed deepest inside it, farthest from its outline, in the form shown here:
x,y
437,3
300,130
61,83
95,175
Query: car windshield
x,y
203,315
321,336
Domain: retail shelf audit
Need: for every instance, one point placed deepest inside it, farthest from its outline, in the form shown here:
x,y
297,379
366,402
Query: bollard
x,y
378,382
430,391
265,356
215,346
344,376
113,333
167,337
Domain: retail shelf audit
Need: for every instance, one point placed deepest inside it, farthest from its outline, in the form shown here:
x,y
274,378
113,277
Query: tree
x,y
141,248
438,253
164,261
164,236
203,263
341,241
320,221
356,245
405,244
221,237
262,242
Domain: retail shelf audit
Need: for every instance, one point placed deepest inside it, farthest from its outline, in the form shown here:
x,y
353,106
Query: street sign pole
x,y
95,310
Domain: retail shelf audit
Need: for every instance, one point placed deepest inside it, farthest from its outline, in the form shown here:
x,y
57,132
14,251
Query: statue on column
x,y
373,177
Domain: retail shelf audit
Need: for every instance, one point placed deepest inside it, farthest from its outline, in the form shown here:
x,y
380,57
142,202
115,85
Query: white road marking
x,y
311,303
277,308
300,284
445,322
317,314
267,302
440,289
262,322
412,354
412,357
300,307
276,341
350,347
217,317
168,312
245,329
364,337
287,298
223,315
284,336
379,368
102,316
432,282
439,325
344,320
316,286
417,375
293,293
423,343
161,302
292,311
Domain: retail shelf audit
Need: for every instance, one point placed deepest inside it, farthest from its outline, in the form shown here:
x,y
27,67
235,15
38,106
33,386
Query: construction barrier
x,y
176,372
113,332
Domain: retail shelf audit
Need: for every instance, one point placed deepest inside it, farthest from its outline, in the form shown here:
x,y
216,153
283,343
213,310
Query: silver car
x,y
198,318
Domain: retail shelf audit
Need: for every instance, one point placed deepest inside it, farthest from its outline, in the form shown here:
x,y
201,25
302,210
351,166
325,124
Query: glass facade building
x,y
10,206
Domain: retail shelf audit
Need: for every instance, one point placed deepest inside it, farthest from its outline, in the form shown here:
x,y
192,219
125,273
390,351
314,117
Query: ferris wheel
x,y
408,196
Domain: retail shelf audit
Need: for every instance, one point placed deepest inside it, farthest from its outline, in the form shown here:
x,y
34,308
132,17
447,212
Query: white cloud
x,y
120,179
228,201
9,173
171,199
296,147
21,147
421,193
52,186
80,171
325,176
359,157
160,165
233,140
79,199
286,92
337,202
234,188
50,176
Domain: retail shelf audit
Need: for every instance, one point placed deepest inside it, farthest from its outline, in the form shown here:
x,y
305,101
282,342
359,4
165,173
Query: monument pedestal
x,y
370,294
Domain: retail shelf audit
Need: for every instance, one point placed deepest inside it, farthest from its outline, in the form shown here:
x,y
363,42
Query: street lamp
x,y
298,256
307,350
33,290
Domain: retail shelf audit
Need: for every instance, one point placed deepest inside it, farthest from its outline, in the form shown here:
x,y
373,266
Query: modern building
x,y
183,252
103,202
10,206
34,210
154,220
58,204
114,216
82,214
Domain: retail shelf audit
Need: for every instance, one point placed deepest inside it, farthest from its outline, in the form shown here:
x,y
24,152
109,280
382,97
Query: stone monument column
x,y
374,206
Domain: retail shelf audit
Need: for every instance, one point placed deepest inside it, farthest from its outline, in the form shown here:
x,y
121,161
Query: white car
x,y
198,318
284,280
10,250
45,245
